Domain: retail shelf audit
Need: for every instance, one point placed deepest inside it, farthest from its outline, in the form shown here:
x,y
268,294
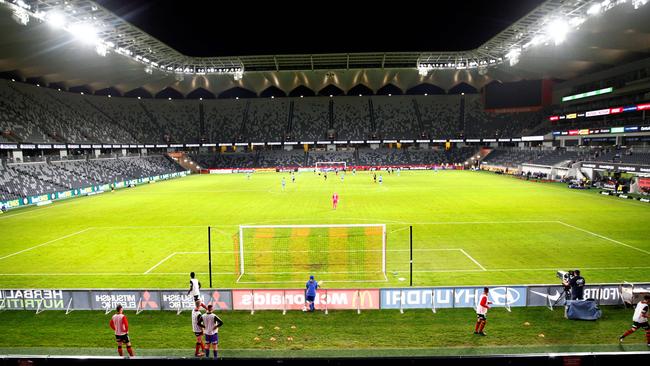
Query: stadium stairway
x,y
185,161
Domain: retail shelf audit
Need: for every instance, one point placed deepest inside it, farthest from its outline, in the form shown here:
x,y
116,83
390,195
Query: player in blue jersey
x,y
310,293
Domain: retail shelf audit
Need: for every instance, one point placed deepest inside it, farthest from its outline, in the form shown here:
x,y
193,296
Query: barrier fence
x,y
294,299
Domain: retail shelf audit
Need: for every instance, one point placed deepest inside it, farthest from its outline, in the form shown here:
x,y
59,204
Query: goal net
x,y
330,165
281,253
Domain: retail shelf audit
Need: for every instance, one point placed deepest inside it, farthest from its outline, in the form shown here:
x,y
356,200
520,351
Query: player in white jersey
x,y
210,322
481,312
120,325
195,289
198,331
640,319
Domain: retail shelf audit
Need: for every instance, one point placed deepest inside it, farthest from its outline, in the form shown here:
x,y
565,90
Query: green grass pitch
x,y
469,228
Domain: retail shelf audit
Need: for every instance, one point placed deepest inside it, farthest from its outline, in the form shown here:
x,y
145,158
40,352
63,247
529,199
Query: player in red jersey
x,y
335,200
120,325
481,312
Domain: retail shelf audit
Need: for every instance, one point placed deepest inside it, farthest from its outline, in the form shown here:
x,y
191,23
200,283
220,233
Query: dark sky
x,y
234,28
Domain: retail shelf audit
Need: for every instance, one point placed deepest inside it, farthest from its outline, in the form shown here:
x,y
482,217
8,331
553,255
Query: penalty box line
x,y
46,243
603,237
168,257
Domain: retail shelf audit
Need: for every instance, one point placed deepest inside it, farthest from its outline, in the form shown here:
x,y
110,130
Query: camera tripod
x,y
566,294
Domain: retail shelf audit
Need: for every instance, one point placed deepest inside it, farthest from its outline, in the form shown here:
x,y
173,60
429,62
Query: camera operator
x,y
577,284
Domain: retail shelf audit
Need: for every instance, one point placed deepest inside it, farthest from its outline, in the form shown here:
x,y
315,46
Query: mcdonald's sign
x,y
366,299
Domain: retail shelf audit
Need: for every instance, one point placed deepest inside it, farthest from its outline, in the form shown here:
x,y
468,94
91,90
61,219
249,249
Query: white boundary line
x,y
604,237
472,259
233,273
169,256
46,243
301,226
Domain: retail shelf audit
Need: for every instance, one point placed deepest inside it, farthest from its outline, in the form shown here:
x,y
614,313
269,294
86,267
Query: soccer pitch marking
x,y
46,243
231,273
604,237
168,257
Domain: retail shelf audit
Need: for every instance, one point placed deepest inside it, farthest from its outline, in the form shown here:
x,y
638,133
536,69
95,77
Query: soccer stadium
x,y
450,202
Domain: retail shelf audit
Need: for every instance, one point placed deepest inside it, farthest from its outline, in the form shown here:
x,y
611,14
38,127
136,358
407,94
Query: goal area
x,y
330,165
288,253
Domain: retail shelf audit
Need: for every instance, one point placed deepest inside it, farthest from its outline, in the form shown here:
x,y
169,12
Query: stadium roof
x,y
597,40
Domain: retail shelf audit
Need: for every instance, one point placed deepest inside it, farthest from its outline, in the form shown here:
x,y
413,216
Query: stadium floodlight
x,y
101,49
594,9
576,22
148,70
21,16
348,252
513,56
238,75
55,19
84,32
638,3
557,30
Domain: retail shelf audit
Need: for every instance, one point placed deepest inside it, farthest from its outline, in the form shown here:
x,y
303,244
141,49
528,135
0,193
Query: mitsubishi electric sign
x,y
459,297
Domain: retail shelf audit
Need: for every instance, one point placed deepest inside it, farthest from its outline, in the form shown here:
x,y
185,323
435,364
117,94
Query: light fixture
x,y
55,19
21,16
84,32
101,49
557,30
594,9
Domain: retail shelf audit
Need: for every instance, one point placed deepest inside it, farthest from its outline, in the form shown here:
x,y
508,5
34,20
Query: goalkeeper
x,y
310,293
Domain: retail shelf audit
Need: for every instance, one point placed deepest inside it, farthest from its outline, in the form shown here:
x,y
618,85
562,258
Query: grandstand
x,y
556,103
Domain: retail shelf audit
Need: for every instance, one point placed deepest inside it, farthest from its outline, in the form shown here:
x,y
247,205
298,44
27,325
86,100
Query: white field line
x,y
280,273
46,243
473,260
604,237
169,256
251,225
345,281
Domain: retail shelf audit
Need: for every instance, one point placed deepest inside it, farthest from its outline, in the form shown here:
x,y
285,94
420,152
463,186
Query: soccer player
x,y
195,289
211,323
3,208
284,183
481,312
310,293
374,177
293,177
120,325
325,175
380,179
198,331
335,201
342,176
640,320
354,171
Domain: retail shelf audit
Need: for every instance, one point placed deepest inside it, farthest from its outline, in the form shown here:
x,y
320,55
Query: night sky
x,y
235,28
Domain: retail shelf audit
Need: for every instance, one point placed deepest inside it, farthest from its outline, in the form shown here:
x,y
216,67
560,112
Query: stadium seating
x,y
310,119
281,158
39,115
267,120
352,118
29,179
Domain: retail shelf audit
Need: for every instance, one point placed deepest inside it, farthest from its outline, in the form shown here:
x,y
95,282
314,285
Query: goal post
x,y
331,165
336,252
